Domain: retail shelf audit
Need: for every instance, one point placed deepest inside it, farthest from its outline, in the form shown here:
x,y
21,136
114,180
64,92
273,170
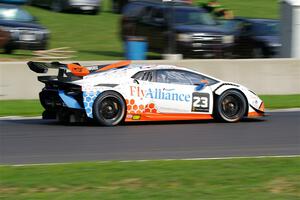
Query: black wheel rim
x,y
110,108
231,106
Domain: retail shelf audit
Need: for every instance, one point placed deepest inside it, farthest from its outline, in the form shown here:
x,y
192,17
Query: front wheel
x,y
230,106
109,109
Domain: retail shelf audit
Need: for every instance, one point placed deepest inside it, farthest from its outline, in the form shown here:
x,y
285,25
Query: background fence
x,y
264,76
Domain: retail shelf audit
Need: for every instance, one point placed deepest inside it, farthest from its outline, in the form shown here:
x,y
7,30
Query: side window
x,y
158,16
146,18
132,10
172,77
144,76
196,79
181,77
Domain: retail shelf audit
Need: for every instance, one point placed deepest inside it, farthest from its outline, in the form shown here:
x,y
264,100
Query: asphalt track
x,y
38,141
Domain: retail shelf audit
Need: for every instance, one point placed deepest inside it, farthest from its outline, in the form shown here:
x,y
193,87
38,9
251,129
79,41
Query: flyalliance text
x,y
159,94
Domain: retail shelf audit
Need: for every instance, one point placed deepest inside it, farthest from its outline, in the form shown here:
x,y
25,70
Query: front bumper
x,y
28,45
83,6
204,50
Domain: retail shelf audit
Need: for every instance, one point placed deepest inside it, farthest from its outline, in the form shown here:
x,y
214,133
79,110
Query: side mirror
x,y
201,85
245,30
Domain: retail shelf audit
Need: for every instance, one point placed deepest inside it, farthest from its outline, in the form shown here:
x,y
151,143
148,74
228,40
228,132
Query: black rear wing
x,y
42,67
64,74
74,68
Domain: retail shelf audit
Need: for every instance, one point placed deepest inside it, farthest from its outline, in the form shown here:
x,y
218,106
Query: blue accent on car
x,y
200,86
88,101
69,100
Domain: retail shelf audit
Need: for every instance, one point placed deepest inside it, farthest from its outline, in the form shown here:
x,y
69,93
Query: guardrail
x,y
264,76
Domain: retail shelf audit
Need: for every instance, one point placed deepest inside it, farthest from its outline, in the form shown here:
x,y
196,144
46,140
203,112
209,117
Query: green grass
x,y
252,8
281,101
264,178
97,37
33,107
20,108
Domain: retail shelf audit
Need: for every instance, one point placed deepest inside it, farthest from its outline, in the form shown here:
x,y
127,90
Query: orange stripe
x,y
262,107
169,117
78,70
115,65
255,114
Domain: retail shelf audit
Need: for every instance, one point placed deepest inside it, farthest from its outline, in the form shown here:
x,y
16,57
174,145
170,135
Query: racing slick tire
x,y
230,106
109,108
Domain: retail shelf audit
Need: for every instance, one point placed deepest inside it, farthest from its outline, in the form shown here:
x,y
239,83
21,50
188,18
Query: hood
x,y
16,24
201,29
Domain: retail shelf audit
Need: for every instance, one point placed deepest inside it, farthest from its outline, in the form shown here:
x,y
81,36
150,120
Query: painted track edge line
x,y
171,159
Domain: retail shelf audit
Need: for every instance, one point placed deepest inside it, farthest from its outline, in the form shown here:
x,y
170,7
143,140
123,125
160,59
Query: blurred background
x,y
142,29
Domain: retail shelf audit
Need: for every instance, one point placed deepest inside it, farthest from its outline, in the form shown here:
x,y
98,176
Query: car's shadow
x,y
137,123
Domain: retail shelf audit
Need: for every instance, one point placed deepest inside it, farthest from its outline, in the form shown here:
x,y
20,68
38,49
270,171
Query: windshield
x,y
268,28
15,14
193,17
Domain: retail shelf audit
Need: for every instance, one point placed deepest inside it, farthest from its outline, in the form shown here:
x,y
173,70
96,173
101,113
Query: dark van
x,y
194,30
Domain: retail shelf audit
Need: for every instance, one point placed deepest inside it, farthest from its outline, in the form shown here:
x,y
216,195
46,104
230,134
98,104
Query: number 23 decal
x,y
200,102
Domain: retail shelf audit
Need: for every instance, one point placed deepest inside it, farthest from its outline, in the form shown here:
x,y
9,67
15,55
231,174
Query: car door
x,y
180,91
138,101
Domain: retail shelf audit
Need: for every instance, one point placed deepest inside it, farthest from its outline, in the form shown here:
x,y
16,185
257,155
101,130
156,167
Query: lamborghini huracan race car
x,y
113,93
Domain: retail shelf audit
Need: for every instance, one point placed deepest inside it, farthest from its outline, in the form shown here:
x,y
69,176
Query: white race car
x,y
113,93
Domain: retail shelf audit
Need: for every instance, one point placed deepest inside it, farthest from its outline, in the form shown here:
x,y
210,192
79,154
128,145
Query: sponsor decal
x,y
136,117
157,93
134,108
200,102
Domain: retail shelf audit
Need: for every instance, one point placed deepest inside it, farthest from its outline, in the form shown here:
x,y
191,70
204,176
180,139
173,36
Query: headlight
x,y
228,39
275,45
45,31
182,37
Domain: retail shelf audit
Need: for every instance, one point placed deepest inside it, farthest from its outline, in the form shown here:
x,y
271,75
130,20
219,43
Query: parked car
x,y
25,32
196,32
254,37
90,6
14,1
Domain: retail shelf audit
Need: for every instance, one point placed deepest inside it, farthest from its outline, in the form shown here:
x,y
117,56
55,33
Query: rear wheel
x,y
109,109
230,106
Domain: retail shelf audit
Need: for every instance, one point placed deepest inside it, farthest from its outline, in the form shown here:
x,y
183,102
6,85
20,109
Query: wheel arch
x,y
219,92
116,95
